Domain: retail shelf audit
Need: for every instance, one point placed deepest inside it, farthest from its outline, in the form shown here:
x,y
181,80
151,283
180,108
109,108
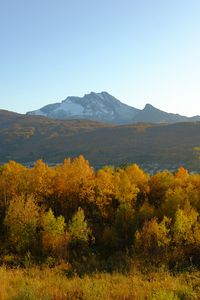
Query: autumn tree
x,y
193,191
120,234
181,176
126,190
186,234
40,181
13,182
79,234
105,191
159,184
73,185
54,236
141,180
153,239
174,198
21,221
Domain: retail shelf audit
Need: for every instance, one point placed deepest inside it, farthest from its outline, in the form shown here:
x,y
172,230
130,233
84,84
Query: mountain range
x,y
103,107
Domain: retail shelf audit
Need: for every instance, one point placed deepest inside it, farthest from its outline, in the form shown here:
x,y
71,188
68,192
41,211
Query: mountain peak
x,y
101,95
101,107
148,106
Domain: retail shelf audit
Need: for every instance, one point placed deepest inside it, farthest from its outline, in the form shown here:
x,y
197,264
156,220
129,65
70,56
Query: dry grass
x,y
52,284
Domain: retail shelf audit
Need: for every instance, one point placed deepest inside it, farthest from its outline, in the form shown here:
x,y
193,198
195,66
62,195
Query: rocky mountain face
x,y
103,107
100,107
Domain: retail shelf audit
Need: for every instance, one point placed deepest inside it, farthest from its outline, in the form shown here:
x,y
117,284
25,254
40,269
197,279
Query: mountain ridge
x,y
103,107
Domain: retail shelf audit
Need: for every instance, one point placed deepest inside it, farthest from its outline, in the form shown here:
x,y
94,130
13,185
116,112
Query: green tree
x,y
78,227
120,234
124,224
54,237
79,234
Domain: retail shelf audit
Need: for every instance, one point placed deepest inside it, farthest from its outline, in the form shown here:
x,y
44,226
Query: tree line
x,y
75,214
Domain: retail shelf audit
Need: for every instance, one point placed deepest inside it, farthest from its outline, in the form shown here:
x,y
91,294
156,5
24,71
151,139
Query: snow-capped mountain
x,y
103,107
94,106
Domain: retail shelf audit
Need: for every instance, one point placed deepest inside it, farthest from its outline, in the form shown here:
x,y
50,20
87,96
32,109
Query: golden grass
x,y
52,284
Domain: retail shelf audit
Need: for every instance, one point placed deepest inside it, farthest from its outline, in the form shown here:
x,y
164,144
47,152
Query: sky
x,y
140,51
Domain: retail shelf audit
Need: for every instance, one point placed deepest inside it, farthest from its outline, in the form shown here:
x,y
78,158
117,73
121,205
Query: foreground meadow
x,y
53,284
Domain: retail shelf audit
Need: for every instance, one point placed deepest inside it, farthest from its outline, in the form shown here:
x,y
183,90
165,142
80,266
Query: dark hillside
x,y
27,138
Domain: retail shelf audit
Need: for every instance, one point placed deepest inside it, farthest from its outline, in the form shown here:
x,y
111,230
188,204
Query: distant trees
x,y
197,152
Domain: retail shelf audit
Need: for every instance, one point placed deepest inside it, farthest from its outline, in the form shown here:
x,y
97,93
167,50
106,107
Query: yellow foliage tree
x,y
126,191
12,182
40,180
21,221
74,185
154,238
105,192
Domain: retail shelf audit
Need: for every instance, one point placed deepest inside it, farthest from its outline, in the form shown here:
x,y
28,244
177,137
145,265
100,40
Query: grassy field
x,y
53,284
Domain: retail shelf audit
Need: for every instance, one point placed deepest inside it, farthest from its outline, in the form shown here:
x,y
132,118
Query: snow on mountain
x,y
94,106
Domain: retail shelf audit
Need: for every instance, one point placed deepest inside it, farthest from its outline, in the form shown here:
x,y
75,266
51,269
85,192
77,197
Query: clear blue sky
x,y
139,51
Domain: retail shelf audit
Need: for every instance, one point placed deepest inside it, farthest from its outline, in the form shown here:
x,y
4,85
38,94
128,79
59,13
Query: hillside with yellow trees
x,y
71,212
81,221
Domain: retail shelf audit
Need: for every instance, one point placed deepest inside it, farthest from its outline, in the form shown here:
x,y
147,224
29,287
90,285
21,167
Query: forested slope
x,y
28,138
